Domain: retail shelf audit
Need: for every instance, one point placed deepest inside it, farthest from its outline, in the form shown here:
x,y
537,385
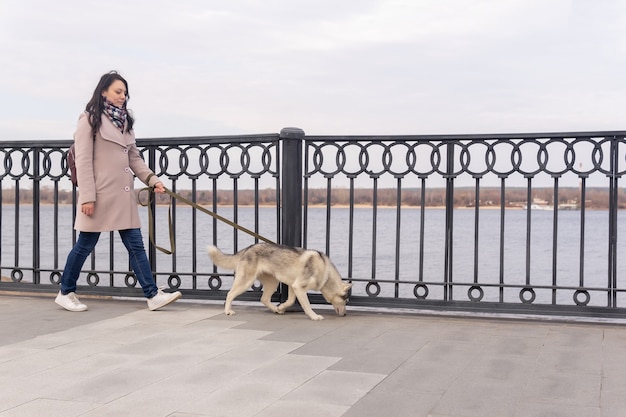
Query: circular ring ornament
x,y
17,275
585,300
130,280
55,278
174,281
475,293
527,295
215,283
372,292
420,291
93,279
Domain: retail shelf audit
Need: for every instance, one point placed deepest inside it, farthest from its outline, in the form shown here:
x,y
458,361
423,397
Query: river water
x,y
377,243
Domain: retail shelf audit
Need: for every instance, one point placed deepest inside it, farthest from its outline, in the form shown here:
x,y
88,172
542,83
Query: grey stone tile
x,y
284,408
299,331
434,367
474,395
172,394
504,368
335,387
152,344
11,397
49,408
234,336
15,352
614,336
31,364
571,336
236,400
425,378
613,402
108,386
397,403
82,369
185,360
211,387
402,339
129,334
342,341
520,346
560,388
614,363
578,360
614,381
373,361
42,316
522,328
139,403
177,414
257,352
559,410
291,370
461,332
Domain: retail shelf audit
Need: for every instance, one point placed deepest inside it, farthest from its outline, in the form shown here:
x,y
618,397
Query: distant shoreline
x,y
342,206
488,198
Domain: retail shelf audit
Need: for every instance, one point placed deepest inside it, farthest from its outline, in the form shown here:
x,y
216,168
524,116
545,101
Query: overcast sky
x,y
201,67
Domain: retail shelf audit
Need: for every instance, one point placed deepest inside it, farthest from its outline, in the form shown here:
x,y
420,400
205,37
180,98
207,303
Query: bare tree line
x,y
432,197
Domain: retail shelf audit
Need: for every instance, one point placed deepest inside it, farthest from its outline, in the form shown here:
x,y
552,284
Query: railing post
x,y
449,240
291,139
291,204
613,210
151,162
36,219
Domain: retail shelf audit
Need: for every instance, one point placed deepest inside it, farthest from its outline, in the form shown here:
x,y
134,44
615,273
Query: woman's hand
x,y
159,188
88,208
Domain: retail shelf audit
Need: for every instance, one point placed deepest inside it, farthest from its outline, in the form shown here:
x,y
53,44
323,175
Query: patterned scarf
x,y
116,115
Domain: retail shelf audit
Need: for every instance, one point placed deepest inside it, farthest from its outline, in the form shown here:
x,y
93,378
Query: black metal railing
x,y
508,223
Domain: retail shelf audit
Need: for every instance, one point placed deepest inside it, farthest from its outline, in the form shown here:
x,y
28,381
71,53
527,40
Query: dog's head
x,y
338,297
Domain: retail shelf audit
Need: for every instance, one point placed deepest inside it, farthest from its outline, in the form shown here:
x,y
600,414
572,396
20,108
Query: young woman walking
x,y
107,160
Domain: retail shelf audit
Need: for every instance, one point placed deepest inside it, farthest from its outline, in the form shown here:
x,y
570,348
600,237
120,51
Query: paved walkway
x,y
120,359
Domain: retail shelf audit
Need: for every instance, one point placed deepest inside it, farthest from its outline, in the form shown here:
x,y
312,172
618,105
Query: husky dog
x,y
302,270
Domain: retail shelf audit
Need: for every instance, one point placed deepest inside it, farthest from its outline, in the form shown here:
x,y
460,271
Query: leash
x,y
169,218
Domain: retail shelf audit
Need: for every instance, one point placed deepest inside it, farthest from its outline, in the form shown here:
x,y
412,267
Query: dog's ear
x,y
346,290
345,294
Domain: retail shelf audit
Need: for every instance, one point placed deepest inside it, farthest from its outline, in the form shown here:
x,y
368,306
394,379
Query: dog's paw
x,y
316,317
279,309
229,312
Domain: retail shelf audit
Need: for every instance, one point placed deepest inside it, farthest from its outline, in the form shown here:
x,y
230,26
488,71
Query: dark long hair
x,y
95,107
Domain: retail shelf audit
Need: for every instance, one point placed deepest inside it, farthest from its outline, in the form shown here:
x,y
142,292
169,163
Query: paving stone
x,y
189,359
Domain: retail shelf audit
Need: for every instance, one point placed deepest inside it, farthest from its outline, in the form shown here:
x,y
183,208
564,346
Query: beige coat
x,y
105,168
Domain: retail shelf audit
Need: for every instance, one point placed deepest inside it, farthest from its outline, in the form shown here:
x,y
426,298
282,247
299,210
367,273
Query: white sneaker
x,y
162,299
70,302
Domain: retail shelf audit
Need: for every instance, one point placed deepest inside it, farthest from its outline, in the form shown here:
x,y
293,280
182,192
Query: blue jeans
x,y
136,253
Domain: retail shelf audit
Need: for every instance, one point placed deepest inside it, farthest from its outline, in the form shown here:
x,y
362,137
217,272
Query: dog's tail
x,y
222,260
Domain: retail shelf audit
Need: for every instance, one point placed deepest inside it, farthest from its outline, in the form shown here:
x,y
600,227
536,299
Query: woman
x,y
107,160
